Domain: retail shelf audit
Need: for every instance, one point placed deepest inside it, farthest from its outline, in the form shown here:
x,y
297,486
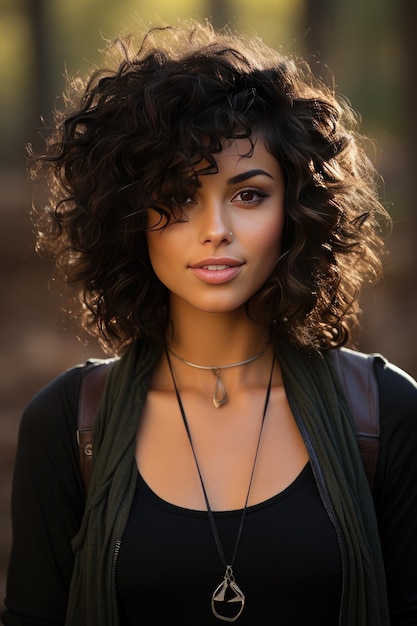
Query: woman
x,y
216,214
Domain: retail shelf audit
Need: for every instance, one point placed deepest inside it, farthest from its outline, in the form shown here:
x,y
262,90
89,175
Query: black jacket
x,y
45,520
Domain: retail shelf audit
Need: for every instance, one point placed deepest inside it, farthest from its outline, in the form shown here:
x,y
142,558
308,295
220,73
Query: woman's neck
x,y
216,339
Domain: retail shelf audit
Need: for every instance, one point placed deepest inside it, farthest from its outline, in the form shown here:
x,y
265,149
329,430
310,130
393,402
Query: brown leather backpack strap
x,y
92,387
356,372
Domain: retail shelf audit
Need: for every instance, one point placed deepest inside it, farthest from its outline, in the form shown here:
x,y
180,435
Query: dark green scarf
x,y
325,422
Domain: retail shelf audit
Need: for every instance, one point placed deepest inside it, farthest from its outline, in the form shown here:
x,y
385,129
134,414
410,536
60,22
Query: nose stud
x,y
230,234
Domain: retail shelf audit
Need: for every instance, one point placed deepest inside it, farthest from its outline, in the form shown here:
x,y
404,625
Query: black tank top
x,y
288,563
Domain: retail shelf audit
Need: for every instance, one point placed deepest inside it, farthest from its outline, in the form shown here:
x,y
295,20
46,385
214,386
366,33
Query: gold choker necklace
x,y
220,395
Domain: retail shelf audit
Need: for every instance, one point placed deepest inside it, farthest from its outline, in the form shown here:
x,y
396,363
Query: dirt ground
x,y
35,347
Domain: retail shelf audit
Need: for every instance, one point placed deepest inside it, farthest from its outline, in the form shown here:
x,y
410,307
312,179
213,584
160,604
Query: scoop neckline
x,y
147,491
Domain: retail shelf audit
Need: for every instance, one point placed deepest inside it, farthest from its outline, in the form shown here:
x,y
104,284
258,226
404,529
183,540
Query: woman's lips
x,y
216,274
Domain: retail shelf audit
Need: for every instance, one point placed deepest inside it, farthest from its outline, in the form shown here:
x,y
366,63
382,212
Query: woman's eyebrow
x,y
239,178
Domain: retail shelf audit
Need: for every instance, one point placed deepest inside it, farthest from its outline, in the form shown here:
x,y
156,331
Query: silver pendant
x,y
228,600
219,396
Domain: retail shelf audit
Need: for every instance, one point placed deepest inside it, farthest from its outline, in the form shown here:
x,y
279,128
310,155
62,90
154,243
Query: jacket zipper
x,y
113,583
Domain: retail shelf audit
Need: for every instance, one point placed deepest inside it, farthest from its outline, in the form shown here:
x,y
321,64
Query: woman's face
x,y
227,247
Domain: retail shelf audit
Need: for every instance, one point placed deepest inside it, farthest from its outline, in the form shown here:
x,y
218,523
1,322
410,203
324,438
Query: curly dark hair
x,y
131,137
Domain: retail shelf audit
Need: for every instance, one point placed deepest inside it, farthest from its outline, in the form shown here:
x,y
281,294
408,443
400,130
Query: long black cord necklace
x,y
228,600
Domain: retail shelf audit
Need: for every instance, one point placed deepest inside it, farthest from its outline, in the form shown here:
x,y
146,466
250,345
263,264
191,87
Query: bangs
x,y
204,123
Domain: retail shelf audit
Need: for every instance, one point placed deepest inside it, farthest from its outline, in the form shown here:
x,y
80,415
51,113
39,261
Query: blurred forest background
x,y
370,47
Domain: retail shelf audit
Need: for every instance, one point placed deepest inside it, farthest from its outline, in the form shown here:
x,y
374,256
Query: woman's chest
x,y
227,451
287,561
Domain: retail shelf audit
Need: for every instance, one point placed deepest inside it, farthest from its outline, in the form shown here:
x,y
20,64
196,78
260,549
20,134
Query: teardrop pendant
x,y
228,600
219,396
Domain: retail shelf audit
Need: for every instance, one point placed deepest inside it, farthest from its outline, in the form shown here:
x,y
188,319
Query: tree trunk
x,y
219,12
41,92
319,20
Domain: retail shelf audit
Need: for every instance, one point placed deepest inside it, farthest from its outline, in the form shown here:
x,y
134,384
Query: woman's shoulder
x,y
56,404
397,378
375,364
390,390
397,394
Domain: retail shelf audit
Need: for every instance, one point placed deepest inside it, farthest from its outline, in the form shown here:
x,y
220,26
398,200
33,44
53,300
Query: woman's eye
x,y
250,196
181,199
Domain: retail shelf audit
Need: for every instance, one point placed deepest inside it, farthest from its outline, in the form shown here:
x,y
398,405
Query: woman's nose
x,y
215,226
